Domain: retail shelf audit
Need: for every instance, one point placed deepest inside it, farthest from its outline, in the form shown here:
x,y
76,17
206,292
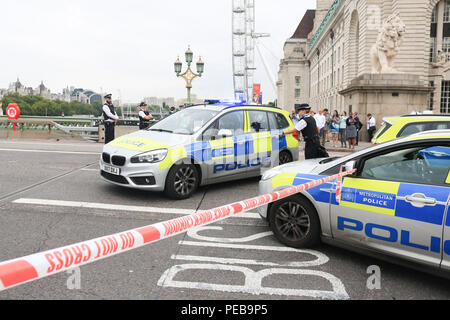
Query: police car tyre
x,y
285,157
182,181
295,223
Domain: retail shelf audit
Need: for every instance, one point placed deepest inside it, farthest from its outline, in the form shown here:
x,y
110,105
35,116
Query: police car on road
x,y
399,127
200,145
397,204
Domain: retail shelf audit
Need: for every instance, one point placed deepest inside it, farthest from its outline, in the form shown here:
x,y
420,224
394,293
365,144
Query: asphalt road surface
x,y
51,195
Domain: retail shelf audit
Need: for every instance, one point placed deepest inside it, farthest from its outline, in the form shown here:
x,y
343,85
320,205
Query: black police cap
x,y
142,104
303,106
108,96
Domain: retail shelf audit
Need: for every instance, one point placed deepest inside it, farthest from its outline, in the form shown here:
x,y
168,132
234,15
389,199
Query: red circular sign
x,y
13,111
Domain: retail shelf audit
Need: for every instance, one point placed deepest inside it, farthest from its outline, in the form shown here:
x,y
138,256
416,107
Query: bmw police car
x,y
200,145
397,203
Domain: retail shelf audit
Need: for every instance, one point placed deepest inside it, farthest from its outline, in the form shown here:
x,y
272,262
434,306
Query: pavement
x,y
51,195
361,146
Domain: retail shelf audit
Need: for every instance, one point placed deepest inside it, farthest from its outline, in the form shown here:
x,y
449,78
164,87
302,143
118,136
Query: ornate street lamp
x,y
189,75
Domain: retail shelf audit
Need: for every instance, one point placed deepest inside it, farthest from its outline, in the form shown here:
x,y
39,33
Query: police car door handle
x,y
328,190
420,199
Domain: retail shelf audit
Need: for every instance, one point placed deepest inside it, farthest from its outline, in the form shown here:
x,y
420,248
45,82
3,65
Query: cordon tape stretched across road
x,y
39,265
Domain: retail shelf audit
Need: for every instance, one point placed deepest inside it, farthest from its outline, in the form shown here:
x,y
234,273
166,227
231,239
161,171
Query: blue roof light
x,y
228,102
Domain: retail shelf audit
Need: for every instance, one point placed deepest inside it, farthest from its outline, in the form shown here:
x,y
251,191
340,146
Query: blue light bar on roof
x,y
226,101
211,101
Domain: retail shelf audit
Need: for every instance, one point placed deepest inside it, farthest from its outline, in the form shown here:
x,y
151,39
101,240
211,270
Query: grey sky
x,y
131,45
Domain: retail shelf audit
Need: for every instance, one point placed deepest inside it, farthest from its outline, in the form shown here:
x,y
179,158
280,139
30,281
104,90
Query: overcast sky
x,y
128,47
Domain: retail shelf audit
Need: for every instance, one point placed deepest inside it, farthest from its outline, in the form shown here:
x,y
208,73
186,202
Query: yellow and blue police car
x,y
203,144
396,204
399,127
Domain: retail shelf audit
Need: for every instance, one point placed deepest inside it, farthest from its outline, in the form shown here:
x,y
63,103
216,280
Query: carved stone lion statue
x,y
387,46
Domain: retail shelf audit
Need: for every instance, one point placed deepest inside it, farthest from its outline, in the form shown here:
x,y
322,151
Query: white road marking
x,y
91,144
118,207
97,170
50,151
322,259
193,233
248,247
253,281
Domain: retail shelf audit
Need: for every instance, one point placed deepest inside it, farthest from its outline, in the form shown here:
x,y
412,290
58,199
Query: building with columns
x,y
332,57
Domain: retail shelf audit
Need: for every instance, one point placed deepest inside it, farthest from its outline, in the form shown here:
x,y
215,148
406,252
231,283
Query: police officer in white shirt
x,y
110,118
144,116
371,126
308,127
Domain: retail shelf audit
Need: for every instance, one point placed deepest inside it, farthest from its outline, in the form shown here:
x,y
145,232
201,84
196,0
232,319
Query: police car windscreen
x,y
187,121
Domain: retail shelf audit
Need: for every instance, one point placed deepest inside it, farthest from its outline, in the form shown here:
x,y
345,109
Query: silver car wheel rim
x,y
185,180
292,221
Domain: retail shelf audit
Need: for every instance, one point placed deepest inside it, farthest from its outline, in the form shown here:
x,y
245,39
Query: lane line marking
x,y
118,207
51,151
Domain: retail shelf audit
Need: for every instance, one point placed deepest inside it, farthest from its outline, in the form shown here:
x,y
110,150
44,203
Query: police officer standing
x,y
110,118
308,127
144,116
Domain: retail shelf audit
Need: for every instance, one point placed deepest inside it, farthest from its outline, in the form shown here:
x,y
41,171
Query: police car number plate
x,y
112,170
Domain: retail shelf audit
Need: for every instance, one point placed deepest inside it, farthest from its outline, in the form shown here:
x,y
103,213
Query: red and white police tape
x,y
39,265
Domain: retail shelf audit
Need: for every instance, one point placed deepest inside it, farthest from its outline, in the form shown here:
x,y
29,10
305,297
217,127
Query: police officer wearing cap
x,y
144,116
308,127
110,118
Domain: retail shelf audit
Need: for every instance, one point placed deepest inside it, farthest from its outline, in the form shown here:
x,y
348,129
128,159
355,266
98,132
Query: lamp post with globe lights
x,y
189,75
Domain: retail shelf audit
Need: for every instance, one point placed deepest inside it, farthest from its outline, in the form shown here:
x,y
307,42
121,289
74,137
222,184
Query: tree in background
x,y
33,105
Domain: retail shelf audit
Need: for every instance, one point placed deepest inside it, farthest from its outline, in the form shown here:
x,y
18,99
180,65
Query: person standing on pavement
x,y
334,127
110,118
308,127
144,116
294,117
352,132
320,121
358,125
343,129
371,126
326,127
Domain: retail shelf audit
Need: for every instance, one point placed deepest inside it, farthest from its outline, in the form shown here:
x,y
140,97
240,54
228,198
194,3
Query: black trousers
x,y
371,132
109,132
312,148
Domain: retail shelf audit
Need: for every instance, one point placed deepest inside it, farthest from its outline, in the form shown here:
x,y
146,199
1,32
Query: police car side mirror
x,y
225,133
349,165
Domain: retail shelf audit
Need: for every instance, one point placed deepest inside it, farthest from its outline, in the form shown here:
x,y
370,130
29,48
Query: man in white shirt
x,y
320,120
371,126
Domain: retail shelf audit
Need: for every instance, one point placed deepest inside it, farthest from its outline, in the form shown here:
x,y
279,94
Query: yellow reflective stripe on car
x,y
370,195
173,156
448,178
284,179
291,142
246,122
262,142
138,144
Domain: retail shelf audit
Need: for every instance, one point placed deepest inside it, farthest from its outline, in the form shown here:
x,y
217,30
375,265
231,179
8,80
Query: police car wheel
x,y
285,157
182,181
295,222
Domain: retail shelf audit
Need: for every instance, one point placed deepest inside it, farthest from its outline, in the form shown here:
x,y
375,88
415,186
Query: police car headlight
x,y
270,174
150,157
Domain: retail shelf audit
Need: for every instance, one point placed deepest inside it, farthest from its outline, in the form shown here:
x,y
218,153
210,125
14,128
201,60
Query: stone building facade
x,y
331,52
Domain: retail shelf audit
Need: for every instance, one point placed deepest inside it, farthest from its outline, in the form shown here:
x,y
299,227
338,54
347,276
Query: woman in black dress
x,y
351,131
